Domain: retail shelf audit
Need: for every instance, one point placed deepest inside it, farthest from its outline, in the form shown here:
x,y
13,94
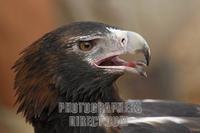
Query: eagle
x,y
80,62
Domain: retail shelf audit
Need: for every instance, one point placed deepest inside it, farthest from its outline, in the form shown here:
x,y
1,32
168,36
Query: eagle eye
x,y
85,46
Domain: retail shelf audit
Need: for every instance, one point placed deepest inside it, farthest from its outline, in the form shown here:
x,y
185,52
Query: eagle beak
x,y
127,42
137,44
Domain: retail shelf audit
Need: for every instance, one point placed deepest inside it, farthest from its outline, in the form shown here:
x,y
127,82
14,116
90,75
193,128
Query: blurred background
x,y
171,27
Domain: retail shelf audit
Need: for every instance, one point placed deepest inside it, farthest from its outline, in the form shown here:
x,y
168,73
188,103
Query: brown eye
x,y
85,46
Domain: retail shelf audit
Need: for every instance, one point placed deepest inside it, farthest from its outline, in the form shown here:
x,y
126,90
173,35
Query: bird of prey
x,y
80,62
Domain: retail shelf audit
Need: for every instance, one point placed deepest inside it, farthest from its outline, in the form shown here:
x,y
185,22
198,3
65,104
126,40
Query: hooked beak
x,y
137,44
132,43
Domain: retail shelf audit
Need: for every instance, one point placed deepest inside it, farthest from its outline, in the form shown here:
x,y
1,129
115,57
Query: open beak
x,y
132,43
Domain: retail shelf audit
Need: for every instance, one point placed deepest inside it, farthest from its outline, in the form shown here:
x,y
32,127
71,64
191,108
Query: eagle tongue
x,y
131,64
120,62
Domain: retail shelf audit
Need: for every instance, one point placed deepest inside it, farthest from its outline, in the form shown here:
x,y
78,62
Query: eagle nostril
x,y
123,40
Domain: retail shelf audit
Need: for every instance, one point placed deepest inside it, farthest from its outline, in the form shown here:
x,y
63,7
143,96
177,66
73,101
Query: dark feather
x,y
164,117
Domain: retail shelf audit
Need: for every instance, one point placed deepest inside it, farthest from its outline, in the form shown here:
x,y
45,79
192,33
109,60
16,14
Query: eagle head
x,y
76,62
